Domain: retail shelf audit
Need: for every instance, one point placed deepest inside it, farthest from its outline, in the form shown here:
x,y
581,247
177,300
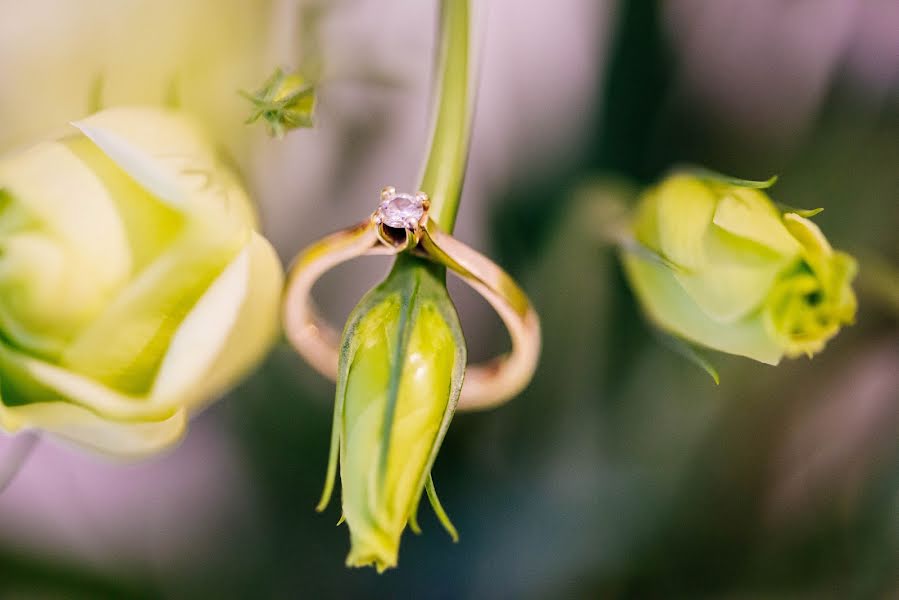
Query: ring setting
x,y
401,223
400,217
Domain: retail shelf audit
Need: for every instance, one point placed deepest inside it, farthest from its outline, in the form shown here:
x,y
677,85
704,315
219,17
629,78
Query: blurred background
x,y
623,471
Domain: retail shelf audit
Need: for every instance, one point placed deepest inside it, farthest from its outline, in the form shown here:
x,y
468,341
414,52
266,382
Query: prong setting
x,y
400,218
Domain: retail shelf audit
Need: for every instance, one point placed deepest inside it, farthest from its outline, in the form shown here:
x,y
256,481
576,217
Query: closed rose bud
x,y
133,287
399,380
716,262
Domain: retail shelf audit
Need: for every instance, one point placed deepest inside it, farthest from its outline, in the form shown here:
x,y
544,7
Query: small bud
x,y
284,102
399,379
717,263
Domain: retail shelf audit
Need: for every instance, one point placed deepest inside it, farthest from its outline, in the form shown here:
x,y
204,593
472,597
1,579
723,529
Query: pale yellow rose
x,y
133,286
716,262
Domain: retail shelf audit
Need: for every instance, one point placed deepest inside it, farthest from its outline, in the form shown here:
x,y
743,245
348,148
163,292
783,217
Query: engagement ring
x,y
401,224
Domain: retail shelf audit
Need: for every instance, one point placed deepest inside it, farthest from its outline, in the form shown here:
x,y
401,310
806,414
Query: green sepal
x,y
715,177
633,246
331,473
689,351
284,102
434,288
417,281
413,520
802,212
361,309
408,294
439,511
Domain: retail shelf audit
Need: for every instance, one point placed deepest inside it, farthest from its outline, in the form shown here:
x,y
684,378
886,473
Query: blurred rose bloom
x,y
134,287
58,62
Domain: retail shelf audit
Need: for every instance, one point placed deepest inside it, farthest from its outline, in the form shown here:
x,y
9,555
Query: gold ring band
x,y
485,385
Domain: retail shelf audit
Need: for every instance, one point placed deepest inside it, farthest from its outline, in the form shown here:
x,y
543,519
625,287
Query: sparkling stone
x,y
401,210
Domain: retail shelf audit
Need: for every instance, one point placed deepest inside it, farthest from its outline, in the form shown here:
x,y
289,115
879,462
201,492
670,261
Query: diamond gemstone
x,y
401,210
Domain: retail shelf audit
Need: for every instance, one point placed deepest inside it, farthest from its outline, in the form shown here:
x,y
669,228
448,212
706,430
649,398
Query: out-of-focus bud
x,y
716,262
133,287
400,375
284,102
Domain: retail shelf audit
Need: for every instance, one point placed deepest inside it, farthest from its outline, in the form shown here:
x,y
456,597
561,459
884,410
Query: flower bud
x,y
399,379
717,263
133,287
284,102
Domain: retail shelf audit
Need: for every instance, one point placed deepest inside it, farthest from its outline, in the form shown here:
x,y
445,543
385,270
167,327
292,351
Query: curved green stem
x,y
445,167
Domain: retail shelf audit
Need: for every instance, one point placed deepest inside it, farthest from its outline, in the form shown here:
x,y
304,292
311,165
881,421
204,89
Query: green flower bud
x,y
399,379
133,287
717,263
284,102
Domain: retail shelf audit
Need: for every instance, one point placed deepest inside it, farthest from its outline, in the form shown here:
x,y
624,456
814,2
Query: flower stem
x,y
444,169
